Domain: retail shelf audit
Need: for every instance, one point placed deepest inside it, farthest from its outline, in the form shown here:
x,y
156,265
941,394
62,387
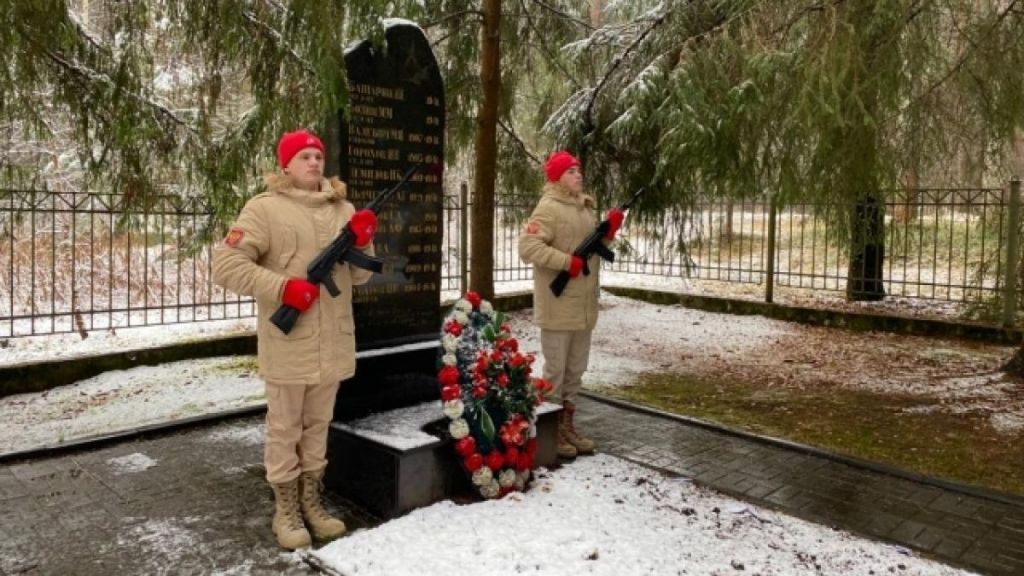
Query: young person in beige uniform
x,y
265,255
563,218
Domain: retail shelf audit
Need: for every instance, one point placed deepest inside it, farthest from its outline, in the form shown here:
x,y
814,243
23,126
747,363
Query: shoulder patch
x,y
234,236
532,228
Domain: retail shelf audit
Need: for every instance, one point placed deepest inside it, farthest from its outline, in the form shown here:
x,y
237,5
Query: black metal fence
x,y
74,262
939,244
78,262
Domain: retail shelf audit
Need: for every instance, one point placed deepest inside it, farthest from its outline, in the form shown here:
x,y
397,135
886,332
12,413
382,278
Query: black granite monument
x,y
396,120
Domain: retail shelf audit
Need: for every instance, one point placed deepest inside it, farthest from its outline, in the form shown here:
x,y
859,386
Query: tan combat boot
x,y
287,524
323,525
565,448
582,444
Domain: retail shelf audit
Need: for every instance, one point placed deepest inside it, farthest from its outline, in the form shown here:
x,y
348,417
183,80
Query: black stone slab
x,y
390,481
396,119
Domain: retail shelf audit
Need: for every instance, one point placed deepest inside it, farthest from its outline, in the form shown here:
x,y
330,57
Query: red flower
x,y
474,299
495,461
473,462
448,375
503,380
511,455
505,490
450,392
496,356
510,345
479,392
465,446
512,431
454,328
525,462
542,385
482,363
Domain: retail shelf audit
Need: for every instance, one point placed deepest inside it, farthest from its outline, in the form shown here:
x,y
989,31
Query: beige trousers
x,y
566,354
296,437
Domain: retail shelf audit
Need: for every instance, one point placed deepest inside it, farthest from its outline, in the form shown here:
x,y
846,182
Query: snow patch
x,y
136,462
248,435
602,515
401,428
168,540
392,22
121,400
1007,423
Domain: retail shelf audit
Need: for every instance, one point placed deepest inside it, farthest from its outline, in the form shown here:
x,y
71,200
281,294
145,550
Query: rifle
x,y
341,249
593,244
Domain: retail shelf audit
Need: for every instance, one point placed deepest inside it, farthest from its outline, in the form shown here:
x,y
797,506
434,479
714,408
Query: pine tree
x,y
797,100
187,98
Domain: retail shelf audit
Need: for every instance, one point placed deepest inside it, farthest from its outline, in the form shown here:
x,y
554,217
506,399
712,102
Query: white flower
x,y
521,478
482,476
507,478
486,309
450,343
459,428
449,360
463,305
461,317
453,409
489,490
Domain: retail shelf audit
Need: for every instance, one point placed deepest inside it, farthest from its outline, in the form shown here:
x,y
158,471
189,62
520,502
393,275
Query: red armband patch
x,y
234,236
532,228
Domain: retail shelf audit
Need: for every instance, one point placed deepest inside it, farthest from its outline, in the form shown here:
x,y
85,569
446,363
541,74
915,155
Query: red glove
x,y
575,266
363,224
299,294
615,217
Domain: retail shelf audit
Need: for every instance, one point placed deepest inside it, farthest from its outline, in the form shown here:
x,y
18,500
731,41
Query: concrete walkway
x,y
194,501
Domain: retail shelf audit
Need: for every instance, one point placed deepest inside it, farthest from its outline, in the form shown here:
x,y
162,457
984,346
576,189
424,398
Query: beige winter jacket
x,y
557,226
275,238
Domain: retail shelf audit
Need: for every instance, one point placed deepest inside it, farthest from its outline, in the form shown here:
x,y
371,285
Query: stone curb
x,y
100,440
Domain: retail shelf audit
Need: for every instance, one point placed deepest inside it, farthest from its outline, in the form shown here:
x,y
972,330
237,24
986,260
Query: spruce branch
x,y
512,134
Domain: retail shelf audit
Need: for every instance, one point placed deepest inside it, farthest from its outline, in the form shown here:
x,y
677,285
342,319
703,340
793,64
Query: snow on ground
x,y
126,399
631,338
47,347
603,515
129,463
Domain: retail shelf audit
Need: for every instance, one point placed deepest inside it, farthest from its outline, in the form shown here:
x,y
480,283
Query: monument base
x,y
391,464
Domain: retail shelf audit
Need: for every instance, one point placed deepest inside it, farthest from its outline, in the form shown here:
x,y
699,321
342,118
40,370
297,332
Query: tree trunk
x,y
482,241
861,168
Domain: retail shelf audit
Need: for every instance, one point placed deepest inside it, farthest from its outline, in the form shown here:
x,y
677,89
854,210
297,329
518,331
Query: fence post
x,y
464,238
1010,270
769,285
